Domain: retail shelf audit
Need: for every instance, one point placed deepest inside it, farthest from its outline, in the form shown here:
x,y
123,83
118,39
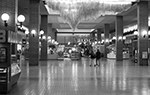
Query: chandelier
x,y
75,11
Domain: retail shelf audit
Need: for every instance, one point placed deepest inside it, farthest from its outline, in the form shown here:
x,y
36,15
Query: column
x,y
99,31
106,38
119,35
44,22
142,17
56,35
93,36
53,34
34,28
50,30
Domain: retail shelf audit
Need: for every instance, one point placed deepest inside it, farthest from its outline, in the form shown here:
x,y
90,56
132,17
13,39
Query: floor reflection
x,y
78,78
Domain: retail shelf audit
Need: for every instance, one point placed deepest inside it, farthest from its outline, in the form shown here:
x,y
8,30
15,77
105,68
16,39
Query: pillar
x,y
53,34
56,35
119,42
99,31
142,17
44,22
34,24
106,38
93,36
50,30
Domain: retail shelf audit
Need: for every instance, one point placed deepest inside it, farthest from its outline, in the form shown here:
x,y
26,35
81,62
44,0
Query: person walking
x,y
98,56
92,57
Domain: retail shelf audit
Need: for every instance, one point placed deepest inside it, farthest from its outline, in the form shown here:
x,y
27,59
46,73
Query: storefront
x,y
9,67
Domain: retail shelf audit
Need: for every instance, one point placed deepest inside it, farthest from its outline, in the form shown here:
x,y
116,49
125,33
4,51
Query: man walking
x,y
98,56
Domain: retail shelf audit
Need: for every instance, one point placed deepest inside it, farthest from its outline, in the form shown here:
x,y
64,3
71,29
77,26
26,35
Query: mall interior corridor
x,y
46,47
68,77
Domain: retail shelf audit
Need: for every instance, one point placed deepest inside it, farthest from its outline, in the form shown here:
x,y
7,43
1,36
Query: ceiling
x,y
129,17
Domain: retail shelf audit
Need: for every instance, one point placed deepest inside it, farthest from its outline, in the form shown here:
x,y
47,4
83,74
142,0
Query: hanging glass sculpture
x,y
75,11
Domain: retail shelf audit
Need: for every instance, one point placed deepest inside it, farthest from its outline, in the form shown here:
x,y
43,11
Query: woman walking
x,y
92,57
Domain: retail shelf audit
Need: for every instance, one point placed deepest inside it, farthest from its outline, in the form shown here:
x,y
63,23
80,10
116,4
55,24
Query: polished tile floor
x,y
78,78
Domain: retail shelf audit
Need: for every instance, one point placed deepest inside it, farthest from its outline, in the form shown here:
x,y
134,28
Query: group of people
x,y
96,56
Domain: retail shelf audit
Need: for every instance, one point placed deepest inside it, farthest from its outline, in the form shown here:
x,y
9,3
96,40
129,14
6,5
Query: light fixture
x,y
136,33
124,30
114,38
68,43
73,49
49,41
124,37
95,42
102,35
131,28
102,41
56,43
79,43
49,37
110,40
144,33
44,37
33,32
27,33
53,40
5,18
92,30
149,34
41,32
21,19
75,11
120,38
106,40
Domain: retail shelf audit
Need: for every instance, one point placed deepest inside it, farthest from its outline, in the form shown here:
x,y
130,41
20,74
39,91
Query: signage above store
x,y
10,37
2,36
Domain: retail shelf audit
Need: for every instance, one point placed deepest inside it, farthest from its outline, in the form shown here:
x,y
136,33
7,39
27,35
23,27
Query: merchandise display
x,y
15,73
112,52
3,75
15,69
59,51
75,53
52,54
